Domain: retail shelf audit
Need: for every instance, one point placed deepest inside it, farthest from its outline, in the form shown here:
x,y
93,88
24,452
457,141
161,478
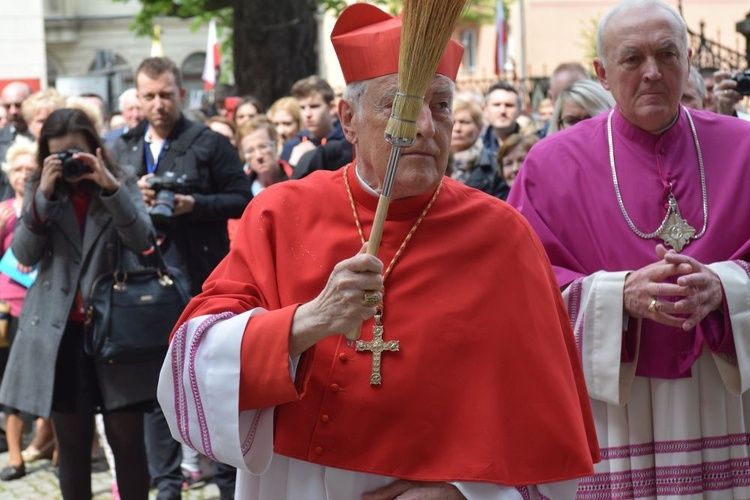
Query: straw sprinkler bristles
x,y
427,27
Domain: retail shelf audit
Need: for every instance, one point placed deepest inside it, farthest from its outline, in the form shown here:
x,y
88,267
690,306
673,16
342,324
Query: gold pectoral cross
x,y
377,346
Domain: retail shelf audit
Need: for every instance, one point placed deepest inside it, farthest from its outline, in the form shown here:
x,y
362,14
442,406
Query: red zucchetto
x,y
367,40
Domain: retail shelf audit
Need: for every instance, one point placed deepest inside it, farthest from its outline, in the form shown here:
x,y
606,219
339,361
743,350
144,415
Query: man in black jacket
x,y
192,180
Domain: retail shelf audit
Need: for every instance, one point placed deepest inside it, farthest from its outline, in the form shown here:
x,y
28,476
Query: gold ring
x,y
371,299
652,306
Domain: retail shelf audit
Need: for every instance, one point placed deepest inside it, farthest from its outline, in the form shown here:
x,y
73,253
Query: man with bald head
x,y
11,98
643,212
565,75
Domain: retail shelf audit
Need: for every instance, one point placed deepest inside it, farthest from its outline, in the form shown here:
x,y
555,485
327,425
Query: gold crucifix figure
x,y
377,346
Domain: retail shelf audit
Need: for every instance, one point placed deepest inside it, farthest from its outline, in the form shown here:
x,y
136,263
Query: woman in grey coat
x,y
73,215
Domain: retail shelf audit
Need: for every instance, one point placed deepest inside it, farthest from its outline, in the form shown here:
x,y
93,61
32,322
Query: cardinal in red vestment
x,y
465,382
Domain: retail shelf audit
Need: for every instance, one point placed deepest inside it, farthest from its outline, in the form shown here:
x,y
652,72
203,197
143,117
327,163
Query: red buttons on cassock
x,y
343,357
334,387
318,450
325,419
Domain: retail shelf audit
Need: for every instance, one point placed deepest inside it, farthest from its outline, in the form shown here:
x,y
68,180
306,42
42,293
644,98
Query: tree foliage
x,y
588,38
480,11
269,44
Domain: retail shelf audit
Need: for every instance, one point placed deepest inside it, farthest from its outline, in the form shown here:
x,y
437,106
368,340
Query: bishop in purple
x,y
645,214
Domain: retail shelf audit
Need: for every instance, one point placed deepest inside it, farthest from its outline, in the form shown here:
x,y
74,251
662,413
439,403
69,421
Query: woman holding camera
x,y
75,216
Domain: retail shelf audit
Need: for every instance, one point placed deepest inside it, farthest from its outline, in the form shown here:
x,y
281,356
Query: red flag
x,y
213,57
502,38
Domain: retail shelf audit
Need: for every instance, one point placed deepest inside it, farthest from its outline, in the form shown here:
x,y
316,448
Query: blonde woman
x,y
580,101
38,106
287,120
20,163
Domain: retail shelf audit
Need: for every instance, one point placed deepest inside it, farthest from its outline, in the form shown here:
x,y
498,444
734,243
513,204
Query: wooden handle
x,y
374,244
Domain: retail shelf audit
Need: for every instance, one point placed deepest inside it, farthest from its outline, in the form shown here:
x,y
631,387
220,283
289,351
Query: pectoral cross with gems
x,y
675,231
377,346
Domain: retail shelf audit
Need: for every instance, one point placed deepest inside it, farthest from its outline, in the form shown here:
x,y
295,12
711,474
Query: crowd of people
x,y
604,290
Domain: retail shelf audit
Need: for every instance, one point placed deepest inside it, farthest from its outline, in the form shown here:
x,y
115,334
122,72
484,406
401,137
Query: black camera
x,y
743,82
166,186
72,168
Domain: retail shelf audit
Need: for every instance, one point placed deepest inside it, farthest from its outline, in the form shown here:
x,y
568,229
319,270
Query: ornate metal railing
x,y
710,54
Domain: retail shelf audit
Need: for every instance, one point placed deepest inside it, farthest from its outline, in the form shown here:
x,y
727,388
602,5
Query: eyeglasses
x,y
260,148
513,162
569,121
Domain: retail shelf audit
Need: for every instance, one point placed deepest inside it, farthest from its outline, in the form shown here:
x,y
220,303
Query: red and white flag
x,y
502,38
213,57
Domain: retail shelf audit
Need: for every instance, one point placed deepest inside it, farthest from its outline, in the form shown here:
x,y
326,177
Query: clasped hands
x,y
648,294
415,490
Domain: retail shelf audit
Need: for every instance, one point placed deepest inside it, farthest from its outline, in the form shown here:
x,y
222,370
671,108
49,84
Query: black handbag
x,y
132,312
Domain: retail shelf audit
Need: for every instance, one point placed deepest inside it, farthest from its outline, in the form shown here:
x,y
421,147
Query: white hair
x,y
354,92
128,94
588,94
20,146
700,84
627,5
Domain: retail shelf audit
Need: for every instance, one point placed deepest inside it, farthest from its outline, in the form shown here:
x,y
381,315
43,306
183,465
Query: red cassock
x,y
486,386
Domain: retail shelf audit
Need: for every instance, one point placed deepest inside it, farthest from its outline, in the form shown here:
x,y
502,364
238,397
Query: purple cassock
x,y
566,191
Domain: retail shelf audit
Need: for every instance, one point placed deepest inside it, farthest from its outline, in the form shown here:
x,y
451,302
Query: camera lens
x,y
72,167
163,209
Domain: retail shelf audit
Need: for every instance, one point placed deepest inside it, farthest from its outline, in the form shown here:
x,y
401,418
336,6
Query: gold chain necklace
x,y
377,345
408,236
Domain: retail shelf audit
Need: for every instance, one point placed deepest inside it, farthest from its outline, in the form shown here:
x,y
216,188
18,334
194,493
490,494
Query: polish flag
x,y
213,57
502,38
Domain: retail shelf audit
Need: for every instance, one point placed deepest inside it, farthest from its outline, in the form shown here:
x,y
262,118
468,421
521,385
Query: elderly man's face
x,y
646,66
422,165
132,112
12,97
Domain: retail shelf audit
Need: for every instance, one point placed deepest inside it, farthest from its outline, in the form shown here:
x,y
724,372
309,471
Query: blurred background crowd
x,y
214,143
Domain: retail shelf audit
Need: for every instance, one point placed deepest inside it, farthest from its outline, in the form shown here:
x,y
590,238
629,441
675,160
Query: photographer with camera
x,y
78,207
730,90
191,179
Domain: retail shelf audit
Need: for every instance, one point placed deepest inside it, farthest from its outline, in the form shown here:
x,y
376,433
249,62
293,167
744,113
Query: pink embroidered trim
x,y
180,397
574,306
179,343
194,344
682,446
524,491
248,442
744,265
664,481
